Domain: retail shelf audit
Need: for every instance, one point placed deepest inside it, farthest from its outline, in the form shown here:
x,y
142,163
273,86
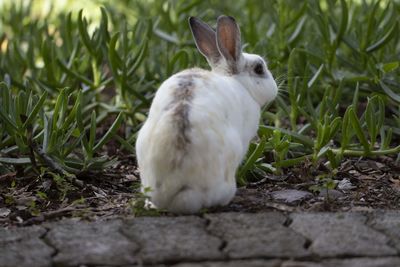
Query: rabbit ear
x,y
228,39
205,39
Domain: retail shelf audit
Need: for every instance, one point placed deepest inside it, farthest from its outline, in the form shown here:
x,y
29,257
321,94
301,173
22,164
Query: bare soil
x,y
359,184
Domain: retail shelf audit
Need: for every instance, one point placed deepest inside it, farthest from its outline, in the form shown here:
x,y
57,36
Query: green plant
x,y
71,85
327,120
324,185
52,106
140,204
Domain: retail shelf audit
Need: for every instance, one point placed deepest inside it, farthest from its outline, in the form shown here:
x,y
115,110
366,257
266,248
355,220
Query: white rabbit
x,y
201,122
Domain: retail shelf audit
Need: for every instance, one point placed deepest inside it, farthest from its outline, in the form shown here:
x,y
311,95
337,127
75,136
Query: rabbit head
x,y
223,50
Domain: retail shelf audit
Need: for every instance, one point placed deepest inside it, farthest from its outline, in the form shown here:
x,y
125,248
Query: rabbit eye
x,y
259,69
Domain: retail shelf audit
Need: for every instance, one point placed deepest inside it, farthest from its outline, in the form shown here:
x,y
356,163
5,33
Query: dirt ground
x,y
359,184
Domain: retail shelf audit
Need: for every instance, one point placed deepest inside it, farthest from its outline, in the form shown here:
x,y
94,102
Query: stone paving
x,y
266,239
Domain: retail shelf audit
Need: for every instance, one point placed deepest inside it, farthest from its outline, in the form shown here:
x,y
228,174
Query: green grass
x,y
70,85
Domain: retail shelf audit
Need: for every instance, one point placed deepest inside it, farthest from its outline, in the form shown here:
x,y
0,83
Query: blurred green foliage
x,y
71,84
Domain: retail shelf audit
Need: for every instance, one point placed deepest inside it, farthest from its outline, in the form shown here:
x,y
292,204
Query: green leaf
x,y
386,138
346,129
370,23
322,151
21,104
291,162
343,22
305,140
356,94
5,97
252,159
101,163
370,121
11,126
297,31
385,39
82,25
38,106
188,6
75,74
72,115
166,36
389,92
391,66
15,161
281,104
140,55
57,108
92,133
81,127
291,65
282,146
320,21
358,130
315,77
381,112
181,56
104,26
48,52
333,159
113,57
320,135
325,133
79,118
47,133
110,133
334,127
125,144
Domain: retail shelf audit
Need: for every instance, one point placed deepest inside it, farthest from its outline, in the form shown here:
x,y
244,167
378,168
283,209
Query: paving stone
x,y
388,222
364,262
301,264
238,263
91,243
24,247
341,234
257,235
224,239
355,262
176,239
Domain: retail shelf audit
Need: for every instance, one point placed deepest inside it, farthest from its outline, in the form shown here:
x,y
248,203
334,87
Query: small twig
x,y
51,214
50,162
57,167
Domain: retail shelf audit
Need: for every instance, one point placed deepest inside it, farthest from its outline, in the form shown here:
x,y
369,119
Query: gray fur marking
x,y
183,95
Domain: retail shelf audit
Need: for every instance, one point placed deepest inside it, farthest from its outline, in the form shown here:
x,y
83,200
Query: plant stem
x,y
359,153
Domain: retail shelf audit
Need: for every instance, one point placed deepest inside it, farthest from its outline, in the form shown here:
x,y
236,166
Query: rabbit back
x,y
196,134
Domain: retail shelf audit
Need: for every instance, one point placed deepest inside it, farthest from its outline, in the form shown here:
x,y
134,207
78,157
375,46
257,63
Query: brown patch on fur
x,y
233,70
180,107
181,118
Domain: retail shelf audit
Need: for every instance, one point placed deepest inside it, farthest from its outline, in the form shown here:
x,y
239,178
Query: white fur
x,y
224,115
